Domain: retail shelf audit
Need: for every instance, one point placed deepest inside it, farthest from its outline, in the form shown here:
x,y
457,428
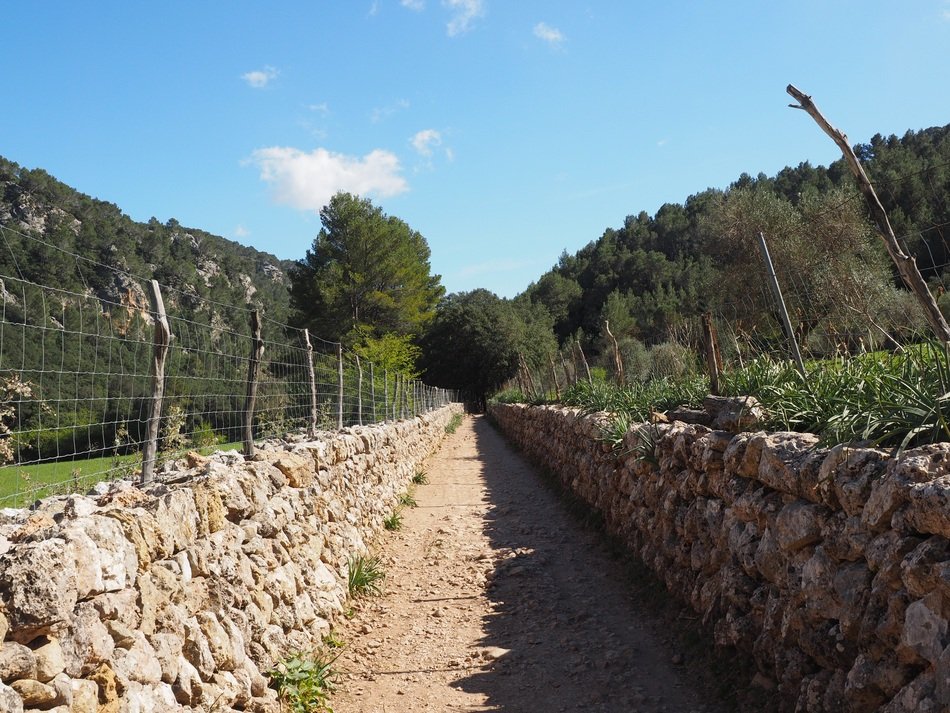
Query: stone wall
x,y
181,596
831,567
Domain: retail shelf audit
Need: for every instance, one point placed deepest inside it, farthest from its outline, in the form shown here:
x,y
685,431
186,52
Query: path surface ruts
x,y
496,599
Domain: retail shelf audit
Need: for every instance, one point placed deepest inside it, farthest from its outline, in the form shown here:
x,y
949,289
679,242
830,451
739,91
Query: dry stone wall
x,y
830,566
181,596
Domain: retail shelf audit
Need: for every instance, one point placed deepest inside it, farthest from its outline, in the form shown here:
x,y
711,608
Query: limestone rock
x,y
16,661
42,587
925,630
10,700
33,693
50,661
799,524
734,414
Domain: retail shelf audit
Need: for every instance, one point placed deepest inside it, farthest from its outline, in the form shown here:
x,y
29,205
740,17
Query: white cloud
x,y
662,142
551,35
241,232
260,78
465,12
424,140
385,112
307,181
322,108
416,5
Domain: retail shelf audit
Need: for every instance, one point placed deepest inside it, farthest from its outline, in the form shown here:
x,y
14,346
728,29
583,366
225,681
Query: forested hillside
x,y
196,264
654,275
76,328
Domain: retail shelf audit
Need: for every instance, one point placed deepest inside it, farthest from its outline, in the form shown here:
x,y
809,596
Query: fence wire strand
x,y
76,379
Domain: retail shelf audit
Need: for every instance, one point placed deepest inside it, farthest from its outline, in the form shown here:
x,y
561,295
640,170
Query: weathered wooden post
x,y
339,403
386,392
372,389
713,357
161,340
618,360
906,265
312,430
359,390
257,352
557,383
580,350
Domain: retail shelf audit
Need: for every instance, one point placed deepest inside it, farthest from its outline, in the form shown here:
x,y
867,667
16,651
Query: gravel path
x,y
497,599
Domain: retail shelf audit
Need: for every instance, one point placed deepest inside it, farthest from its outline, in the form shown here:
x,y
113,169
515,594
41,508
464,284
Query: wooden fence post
x,y
386,392
311,432
372,388
257,352
359,390
339,383
557,384
618,360
713,357
162,338
580,349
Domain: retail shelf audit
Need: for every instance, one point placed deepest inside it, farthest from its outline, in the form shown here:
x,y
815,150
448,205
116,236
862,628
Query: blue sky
x,y
505,131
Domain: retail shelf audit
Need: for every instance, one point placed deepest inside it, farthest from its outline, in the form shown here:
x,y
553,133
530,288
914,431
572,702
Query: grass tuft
x,y
393,521
365,576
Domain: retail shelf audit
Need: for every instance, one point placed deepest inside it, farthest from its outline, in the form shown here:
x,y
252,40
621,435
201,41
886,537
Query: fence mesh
x,y
76,379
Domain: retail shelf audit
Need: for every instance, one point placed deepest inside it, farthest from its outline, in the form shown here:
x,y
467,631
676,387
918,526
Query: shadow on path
x,y
567,627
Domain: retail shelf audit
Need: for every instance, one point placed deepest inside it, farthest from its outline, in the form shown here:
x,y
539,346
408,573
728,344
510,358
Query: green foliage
x,y
406,500
365,576
393,521
304,681
454,423
420,478
366,273
636,401
671,360
896,400
396,353
477,339
510,396
205,437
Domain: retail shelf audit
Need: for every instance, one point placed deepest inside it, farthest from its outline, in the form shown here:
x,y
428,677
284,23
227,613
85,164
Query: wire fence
x,y
834,313
78,381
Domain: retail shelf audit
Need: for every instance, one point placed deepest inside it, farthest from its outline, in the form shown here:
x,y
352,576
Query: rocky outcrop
x,y
182,596
831,567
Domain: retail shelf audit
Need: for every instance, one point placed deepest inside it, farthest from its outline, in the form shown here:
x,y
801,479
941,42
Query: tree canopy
x,y
366,274
476,341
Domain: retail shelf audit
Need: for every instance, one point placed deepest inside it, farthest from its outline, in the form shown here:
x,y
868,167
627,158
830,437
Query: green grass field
x,y
22,485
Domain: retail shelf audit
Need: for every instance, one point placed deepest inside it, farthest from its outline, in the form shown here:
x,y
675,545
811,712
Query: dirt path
x,y
496,599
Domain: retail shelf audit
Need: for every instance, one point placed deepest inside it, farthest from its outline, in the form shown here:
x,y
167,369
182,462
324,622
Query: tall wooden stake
x,y
162,339
906,265
372,389
312,430
777,292
339,384
618,361
713,357
359,391
580,350
257,352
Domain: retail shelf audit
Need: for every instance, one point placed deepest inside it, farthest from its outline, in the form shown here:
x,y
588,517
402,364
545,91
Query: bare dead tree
x,y
906,265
